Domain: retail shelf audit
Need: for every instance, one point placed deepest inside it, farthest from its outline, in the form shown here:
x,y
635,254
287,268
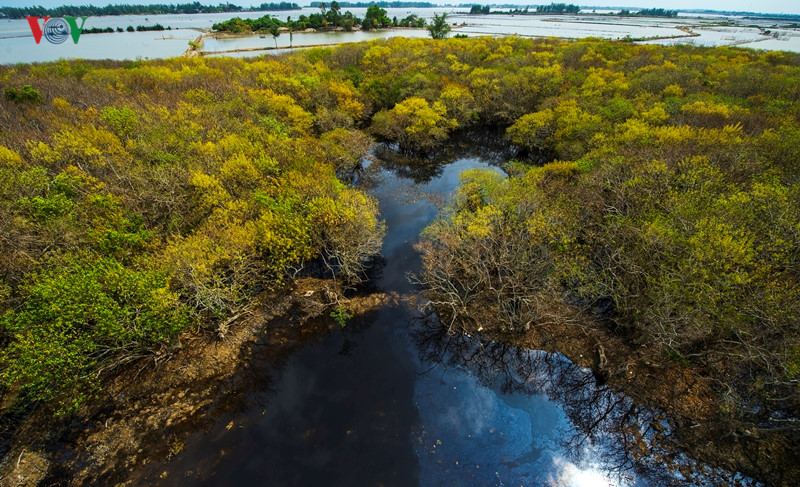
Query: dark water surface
x,y
391,400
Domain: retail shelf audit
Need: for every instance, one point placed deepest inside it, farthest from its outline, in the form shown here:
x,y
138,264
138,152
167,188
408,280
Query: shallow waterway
x,y
391,399
18,46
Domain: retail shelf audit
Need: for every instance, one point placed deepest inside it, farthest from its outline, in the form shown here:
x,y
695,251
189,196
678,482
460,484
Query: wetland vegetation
x,y
651,206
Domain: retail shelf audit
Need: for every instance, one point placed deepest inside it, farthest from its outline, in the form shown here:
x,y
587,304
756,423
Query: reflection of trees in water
x,y
631,438
408,166
485,144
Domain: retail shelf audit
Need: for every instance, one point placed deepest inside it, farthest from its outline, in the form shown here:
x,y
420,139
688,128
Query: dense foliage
x,y
140,199
673,197
326,19
330,19
375,18
657,12
477,9
439,28
182,185
148,28
278,6
558,8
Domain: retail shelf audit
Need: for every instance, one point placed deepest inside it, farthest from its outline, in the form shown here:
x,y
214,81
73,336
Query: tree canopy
x,y
439,28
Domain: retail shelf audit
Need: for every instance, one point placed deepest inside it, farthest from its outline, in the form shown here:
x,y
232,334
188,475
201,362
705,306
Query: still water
x,y
17,44
362,407
123,45
227,44
391,399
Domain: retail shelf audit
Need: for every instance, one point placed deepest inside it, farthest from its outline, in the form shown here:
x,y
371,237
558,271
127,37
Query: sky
x,y
764,6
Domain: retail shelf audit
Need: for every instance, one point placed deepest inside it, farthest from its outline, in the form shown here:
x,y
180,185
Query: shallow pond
x,y
17,44
266,41
563,26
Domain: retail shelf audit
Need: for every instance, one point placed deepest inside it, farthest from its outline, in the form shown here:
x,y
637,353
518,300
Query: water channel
x,y
18,46
391,399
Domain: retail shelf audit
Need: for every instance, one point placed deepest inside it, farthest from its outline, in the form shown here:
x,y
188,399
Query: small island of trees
x,y
327,19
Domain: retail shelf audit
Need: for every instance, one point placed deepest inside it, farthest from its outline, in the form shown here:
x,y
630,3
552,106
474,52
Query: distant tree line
x,y
650,12
125,9
148,28
279,6
111,30
478,9
767,16
553,8
380,4
558,8
657,12
562,8
495,5
99,30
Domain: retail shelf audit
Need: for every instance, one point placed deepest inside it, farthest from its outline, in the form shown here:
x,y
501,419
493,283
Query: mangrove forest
x,y
651,205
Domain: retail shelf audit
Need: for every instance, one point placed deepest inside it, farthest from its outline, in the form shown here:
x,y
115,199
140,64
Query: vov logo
x,y
57,29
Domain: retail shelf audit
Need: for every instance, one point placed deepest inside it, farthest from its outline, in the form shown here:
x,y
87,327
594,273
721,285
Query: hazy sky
x,y
767,6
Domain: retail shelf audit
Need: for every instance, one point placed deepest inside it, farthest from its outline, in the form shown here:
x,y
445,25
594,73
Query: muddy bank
x,y
147,412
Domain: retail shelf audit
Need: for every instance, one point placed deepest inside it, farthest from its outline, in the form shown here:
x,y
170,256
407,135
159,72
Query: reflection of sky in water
x,y
779,39
572,27
406,211
786,44
303,39
550,26
472,436
120,45
375,404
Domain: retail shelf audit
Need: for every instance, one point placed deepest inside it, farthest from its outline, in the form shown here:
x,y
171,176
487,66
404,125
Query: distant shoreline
x,y
155,9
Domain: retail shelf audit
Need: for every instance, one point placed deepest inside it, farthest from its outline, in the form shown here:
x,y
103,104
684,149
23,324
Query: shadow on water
x,y
488,145
332,416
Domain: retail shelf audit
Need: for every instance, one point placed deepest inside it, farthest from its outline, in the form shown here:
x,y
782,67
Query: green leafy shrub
x,y
83,315
26,94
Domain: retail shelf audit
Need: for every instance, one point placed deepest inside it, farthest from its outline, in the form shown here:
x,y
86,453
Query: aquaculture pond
x,y
18,46
392,399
